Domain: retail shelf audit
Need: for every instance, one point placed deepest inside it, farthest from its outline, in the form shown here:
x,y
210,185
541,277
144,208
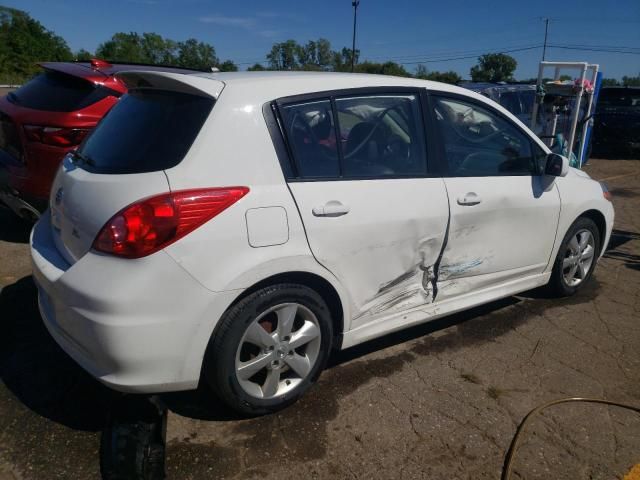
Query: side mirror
x,y
556,165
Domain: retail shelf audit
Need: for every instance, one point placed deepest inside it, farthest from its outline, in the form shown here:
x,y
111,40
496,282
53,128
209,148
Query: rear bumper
x,y
137,326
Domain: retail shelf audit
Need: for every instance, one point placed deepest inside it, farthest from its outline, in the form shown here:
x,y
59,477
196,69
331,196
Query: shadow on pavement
x,y
12,228
203,405
618,239
38,372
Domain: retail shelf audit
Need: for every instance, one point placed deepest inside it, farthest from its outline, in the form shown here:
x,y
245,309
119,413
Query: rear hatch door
x,y
150,129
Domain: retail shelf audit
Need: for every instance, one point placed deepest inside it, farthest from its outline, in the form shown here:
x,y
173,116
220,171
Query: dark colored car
x,y
46,118
617,122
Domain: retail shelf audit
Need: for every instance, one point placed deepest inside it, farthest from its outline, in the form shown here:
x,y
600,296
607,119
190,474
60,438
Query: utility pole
x,y
546,29
354,4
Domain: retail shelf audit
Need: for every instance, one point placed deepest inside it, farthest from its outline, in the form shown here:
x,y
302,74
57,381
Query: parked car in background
x,y
517,98
616,129
236,228
45,119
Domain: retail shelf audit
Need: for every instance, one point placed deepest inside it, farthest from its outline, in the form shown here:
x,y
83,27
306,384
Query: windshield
x,y
146,131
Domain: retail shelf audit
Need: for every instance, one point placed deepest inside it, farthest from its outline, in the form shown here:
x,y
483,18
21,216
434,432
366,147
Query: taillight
x,y
58,136
155,222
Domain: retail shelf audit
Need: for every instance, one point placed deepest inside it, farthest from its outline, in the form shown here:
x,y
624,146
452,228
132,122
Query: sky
x,y
408,32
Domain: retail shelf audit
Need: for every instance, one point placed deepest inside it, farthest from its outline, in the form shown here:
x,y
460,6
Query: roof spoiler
x,y
178,82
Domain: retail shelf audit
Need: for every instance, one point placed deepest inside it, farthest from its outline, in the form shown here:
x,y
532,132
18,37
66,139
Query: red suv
x,y
46,118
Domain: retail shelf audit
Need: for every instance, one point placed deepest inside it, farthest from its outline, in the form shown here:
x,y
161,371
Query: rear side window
x,y
59,92
147,130
365,136
312,138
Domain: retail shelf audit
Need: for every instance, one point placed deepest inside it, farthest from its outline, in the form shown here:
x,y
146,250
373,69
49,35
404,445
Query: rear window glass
x,y
147,130
59,92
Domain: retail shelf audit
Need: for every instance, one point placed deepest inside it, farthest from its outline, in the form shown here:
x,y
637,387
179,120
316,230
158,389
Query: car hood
x,y
575,172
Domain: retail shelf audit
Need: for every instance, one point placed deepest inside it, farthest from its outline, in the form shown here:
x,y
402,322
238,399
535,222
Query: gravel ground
x,y
441,400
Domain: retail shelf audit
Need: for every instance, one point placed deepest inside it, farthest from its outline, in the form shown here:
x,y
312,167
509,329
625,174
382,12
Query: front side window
x,y
381,136
479,142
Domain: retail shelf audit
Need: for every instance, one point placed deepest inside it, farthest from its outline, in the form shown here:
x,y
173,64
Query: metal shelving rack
x,y
577,91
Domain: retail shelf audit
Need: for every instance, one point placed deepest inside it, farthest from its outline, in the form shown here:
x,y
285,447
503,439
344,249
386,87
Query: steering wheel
x,y
463,132
364,142
396,147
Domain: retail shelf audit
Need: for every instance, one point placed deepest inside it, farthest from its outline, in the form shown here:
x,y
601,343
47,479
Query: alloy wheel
x,y
278,351
578,258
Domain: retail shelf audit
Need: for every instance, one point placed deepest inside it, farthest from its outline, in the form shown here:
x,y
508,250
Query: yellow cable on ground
x,y
634,473
513,447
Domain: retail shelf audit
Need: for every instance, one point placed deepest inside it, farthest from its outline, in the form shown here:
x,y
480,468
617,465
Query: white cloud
x,y
269,33
242,22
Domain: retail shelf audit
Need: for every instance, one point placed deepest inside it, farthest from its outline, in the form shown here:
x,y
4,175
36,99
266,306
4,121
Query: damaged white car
x,y
235,228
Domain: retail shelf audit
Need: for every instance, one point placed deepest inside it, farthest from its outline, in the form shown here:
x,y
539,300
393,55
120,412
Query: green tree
x,y
610,82
387,68
315,55
158,50
25,41
284,56
196,55
494,67
256,67
82,55
631,81
228,66
341,61
123,47
154,49
444,77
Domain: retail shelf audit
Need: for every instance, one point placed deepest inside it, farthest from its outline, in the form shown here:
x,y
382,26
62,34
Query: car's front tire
x,y
576,258
269,348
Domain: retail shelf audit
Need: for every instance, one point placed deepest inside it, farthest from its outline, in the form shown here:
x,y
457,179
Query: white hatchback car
x,y
237,227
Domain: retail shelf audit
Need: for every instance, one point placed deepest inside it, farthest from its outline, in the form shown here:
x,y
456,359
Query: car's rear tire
x,y
269,348
576,258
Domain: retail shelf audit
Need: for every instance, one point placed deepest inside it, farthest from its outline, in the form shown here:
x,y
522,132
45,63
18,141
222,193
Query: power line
x,y
467,54
437,60
448,53
593,49
619,47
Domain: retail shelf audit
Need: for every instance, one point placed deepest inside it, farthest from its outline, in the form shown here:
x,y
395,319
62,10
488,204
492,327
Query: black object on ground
x,y
133,442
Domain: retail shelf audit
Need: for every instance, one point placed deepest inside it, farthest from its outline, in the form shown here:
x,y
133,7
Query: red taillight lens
x,y
58,136
153,223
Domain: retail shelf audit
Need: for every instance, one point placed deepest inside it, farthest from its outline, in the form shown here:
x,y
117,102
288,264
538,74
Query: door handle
x,y
330,209
469,199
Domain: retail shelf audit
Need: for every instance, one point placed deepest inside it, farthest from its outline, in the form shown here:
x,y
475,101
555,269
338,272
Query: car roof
x,y
277,84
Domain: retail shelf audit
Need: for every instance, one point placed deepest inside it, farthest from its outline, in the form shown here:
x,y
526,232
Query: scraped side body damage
x,y
413,287
383,251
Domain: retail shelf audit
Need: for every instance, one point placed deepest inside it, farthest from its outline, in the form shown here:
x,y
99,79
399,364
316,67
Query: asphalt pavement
x,y
439,401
